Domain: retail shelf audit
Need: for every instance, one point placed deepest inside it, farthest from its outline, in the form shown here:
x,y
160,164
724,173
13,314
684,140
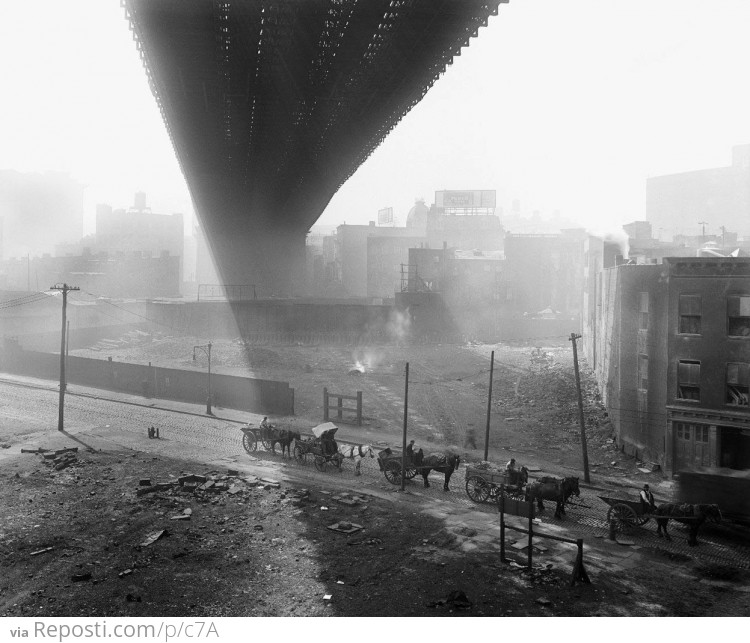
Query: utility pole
x,y
61,405
586,477
67,349
207,350
489,409
703,230
403,440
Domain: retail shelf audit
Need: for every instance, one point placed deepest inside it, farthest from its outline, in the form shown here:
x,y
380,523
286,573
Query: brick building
x,y
672,358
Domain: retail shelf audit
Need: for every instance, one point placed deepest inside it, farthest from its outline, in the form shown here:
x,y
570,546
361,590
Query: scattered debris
x,y
456,600
345,527
543,601
41,551
76,578
153,537
125,572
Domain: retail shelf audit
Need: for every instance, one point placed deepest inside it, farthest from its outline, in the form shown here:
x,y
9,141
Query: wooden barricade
x,y
526,510
340,408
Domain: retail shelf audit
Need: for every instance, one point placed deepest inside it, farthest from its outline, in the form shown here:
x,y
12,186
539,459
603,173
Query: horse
x,y
445,463
284,438
356,453
691,515
552,489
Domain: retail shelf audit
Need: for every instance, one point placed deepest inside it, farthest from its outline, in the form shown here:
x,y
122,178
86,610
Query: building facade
x,y
682,203
672,359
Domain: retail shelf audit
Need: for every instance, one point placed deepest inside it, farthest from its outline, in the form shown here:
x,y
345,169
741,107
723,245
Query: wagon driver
x,y
647,499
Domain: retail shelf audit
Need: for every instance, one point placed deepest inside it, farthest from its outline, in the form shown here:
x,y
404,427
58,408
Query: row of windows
x,y
737,383
685,432
738,315
691,314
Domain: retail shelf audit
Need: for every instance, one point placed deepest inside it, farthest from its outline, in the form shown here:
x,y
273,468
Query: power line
x,y
28,299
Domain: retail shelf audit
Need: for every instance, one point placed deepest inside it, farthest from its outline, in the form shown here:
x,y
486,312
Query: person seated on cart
x,y
647,500
410,451
328,444
512,472
265,424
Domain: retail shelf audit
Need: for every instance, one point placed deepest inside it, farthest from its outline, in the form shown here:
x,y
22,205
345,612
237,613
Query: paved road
x,y
27,413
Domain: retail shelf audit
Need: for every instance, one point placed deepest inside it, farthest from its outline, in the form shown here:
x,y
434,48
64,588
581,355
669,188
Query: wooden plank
x,y
517,507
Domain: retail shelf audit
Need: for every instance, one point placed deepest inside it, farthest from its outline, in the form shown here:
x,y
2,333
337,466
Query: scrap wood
x,y
345,527
153,537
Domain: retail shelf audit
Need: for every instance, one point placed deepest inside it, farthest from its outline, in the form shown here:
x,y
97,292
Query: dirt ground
x,y
74,543
75,538
534,406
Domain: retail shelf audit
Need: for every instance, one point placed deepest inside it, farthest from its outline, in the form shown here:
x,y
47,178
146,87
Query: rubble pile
x,y
554,389
59,459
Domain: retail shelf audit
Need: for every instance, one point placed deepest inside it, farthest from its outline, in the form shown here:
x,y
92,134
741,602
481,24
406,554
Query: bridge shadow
x,y
70,436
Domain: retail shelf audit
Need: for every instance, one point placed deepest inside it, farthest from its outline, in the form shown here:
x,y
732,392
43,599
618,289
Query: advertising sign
x,y
465,199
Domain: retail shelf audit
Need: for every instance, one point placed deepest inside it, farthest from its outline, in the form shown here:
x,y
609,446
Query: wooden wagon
x,y
252,435
389,462
625,512
484,484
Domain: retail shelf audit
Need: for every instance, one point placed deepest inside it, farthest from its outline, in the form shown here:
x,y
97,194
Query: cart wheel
x,y
320,463
477,489
299,454
249,442
514,493
393,472
623,516
265,440
411,473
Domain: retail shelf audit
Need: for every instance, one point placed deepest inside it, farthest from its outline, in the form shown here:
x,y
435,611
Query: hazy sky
x,y
565,106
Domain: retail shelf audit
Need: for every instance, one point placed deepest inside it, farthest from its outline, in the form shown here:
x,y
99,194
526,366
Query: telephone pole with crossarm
x,y
61,405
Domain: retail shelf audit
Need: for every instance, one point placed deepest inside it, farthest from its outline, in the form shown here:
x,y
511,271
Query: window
x,y
738,384
690,314
738,316
701,434
643,311
643,372
688,380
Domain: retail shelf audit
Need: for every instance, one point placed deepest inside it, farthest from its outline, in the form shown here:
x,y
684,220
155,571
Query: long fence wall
x,y
241,393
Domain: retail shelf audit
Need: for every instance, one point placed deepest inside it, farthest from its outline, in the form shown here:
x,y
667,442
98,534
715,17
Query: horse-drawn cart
x,y
252,435
389,462
322,447
625,513
485,484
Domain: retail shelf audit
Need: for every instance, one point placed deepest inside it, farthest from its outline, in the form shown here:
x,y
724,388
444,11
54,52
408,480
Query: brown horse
x,y
445,463
284,438
691,515
553,489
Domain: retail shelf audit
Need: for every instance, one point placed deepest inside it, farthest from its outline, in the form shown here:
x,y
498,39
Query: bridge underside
x,y
272,105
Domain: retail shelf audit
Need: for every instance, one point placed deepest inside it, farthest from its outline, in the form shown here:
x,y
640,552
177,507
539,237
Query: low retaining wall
x,y
241,393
